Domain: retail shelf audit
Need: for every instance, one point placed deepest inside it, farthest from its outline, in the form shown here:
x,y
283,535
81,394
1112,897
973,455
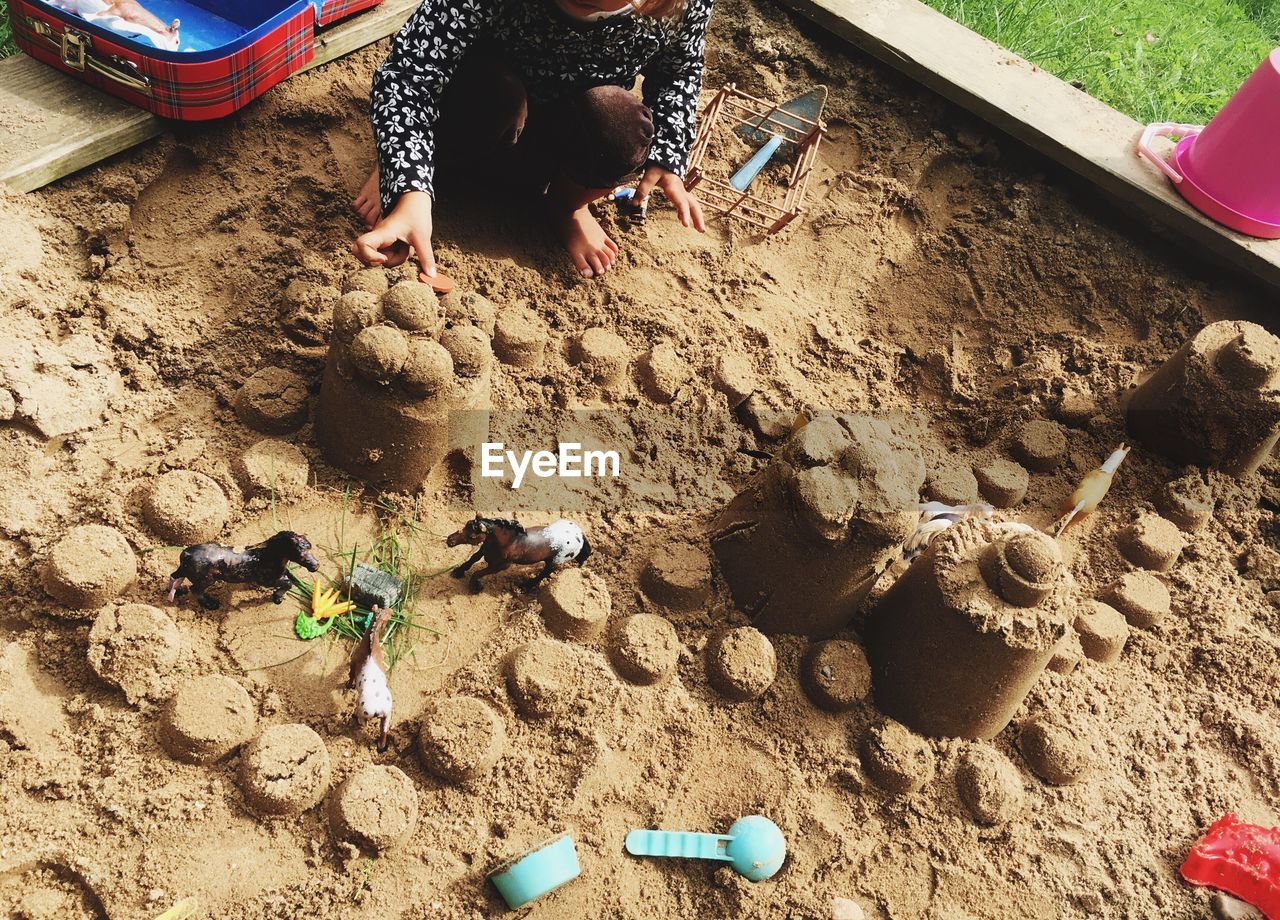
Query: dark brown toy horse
x,y
504,543
262,564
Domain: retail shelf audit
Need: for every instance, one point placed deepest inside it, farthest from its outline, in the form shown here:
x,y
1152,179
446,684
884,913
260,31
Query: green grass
x,y
7,47
1155,60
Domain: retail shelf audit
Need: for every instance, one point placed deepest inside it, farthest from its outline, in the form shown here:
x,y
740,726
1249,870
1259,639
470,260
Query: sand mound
x,y
644,649
284,771
1058,752
741,663
1153,543
575,604
896,759
207,719
272,467
273,401
375,808
989,786
552,678
678,576
89,566
460,739
135,647
1002,482
835,674
185,507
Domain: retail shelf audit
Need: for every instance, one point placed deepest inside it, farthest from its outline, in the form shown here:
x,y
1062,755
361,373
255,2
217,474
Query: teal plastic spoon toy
x,y
754,846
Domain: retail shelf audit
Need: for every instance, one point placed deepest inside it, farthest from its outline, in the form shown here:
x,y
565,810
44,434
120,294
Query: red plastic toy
x,y
1240,859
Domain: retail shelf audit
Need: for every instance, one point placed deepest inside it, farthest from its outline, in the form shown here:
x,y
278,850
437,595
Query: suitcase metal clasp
x,y
74,47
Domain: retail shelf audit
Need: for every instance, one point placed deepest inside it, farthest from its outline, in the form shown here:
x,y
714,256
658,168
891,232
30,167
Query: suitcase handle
x,y
75,50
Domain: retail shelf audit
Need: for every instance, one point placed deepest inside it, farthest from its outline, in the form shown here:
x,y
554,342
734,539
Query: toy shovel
x,y
777,132
754,846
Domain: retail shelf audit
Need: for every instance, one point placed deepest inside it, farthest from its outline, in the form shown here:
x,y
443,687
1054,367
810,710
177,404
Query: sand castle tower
x,y
801,546
402,383
1215,402
959,639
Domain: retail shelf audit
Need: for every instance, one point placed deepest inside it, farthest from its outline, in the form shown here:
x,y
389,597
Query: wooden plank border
x,y
1069,126
69,125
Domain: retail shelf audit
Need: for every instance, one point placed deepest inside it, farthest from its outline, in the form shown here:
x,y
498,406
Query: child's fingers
x,y
421,243
368,248
699,222
643,188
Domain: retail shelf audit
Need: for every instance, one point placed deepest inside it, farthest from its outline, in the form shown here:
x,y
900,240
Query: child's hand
x,y
687,207
408,225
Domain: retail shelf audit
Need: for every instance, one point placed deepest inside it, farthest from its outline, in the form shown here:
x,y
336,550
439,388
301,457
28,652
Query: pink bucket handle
x,y
1165,129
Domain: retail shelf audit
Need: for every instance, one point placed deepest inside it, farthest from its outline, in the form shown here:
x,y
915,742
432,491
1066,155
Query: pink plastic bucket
x,y
1230,169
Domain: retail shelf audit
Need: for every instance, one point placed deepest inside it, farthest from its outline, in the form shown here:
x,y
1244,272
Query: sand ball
x,y
185,507
575,604
735,378
90,565
207,719
741,663
1102,630
366,281
428,369
644,649
678,575
379,352
896,759
285,770
663,372
1067,654
375,808
460,739
134,647
353,312
412,306
1041,445
1058,753
1002,482
1141,597
952,484
1151,542
545,677
835,674
602,354
273,401
463,308
989,786
469,348
272,467
1187,502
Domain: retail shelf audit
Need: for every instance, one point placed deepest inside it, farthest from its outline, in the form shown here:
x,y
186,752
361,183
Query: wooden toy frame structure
x,y
737,106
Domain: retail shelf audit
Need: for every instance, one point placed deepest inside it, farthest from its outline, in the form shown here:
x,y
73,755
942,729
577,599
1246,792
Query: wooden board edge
x,y
1151,195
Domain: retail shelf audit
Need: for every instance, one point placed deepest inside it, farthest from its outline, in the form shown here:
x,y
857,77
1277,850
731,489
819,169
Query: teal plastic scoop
x,y
754,846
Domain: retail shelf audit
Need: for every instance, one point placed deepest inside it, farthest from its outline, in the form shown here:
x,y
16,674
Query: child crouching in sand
x,y
534,92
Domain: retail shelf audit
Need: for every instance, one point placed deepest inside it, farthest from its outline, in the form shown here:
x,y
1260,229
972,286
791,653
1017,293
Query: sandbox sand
x,y
940,269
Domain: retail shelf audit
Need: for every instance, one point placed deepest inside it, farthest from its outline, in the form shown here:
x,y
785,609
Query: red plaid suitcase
x,y
275,40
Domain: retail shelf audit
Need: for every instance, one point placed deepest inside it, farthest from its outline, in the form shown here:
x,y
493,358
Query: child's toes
x,y
580,263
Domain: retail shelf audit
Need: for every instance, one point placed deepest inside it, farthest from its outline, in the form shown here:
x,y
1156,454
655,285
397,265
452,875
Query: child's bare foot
x,y
368,203
592,251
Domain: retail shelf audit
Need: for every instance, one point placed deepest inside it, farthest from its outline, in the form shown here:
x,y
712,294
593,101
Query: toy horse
x,y
503,543
262,564
127,17
369,677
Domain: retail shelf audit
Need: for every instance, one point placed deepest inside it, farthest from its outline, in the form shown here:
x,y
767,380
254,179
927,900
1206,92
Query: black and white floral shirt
x,y
553,53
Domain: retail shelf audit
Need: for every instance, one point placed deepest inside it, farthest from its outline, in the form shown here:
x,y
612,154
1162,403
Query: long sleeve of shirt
x,y
408,86
672,82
